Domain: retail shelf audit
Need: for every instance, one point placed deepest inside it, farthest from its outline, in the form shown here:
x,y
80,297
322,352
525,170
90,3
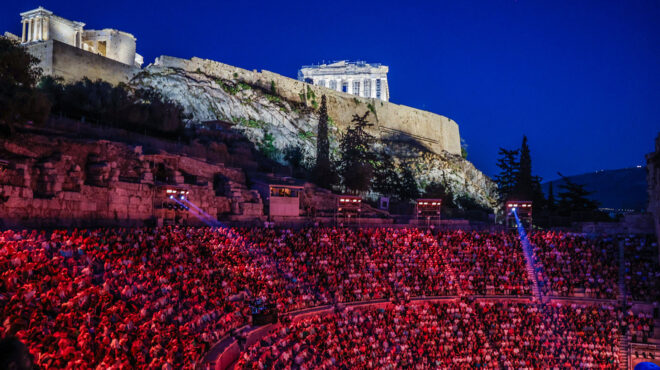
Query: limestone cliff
x,y
262,117
273,117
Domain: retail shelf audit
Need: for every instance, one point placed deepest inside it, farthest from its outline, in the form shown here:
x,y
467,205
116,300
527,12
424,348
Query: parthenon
x,y
358,78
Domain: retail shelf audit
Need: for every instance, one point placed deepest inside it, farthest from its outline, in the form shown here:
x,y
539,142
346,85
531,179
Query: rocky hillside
x,y
273,123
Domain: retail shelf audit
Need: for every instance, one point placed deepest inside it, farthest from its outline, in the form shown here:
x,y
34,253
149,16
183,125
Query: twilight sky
x,y
580,78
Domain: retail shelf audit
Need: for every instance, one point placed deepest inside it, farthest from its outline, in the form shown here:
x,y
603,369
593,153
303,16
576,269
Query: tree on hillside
x,y
20,102
538,198
506,179
296,157
408,188
527,185
144,111
440,190
386,180
323,173
356,156
574,201
524,187
551,204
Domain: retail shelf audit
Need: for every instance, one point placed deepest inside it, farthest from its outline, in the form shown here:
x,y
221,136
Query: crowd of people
x,y
573,264
445,335
118,297
362,264
161,297
642,271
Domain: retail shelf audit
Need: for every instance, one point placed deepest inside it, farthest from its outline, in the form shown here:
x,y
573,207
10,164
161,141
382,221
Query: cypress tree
x,y
322,170
551,199
524,182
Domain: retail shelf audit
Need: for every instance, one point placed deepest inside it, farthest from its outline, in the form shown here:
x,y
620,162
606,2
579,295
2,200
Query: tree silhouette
x,y
524,187
356,162
574,201
20,102
408,189
323,172
551,203
385,180
506,179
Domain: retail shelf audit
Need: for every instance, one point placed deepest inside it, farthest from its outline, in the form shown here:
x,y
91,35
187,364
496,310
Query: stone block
x,y
88,205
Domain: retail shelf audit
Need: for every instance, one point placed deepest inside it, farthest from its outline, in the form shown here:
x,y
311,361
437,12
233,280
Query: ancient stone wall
x,y
119,46
392,121
56,181
44,52
73,64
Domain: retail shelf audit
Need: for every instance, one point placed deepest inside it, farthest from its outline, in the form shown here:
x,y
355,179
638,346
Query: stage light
x,y
182,197
171,196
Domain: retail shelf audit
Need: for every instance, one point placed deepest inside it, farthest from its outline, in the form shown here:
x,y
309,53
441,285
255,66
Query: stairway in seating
x,y
624,347
529,259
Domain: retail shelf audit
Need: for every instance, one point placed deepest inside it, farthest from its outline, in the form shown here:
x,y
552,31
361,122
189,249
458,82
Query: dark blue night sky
x,y
580,78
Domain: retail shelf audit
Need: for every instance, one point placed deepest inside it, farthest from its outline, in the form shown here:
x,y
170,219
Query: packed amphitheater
x,y
478,187
338,297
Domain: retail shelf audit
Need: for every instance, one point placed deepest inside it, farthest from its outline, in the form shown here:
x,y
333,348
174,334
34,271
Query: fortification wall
x,y
73,64
391,121
44,52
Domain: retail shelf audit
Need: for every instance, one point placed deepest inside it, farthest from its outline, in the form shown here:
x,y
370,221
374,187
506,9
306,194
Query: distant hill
x,y
621,190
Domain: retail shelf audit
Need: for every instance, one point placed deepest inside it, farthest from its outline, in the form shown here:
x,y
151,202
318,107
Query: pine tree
x,y
524,188
355,165
386,180
408,188
538,198
440,190
323,174
551,205
506,179
574,201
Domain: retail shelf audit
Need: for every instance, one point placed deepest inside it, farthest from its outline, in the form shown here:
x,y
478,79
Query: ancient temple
x,y
358,78
40,25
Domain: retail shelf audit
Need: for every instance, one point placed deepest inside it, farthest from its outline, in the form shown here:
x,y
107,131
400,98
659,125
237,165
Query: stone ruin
x,y
62,182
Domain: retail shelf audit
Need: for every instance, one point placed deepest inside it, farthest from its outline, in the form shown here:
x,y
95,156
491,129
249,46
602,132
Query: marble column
x,y
35,25
37,36
23,34
46,33
373,87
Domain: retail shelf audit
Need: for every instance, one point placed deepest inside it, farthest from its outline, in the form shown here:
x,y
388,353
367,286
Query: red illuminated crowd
x,y
160,298
573,264
642,272
445,335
